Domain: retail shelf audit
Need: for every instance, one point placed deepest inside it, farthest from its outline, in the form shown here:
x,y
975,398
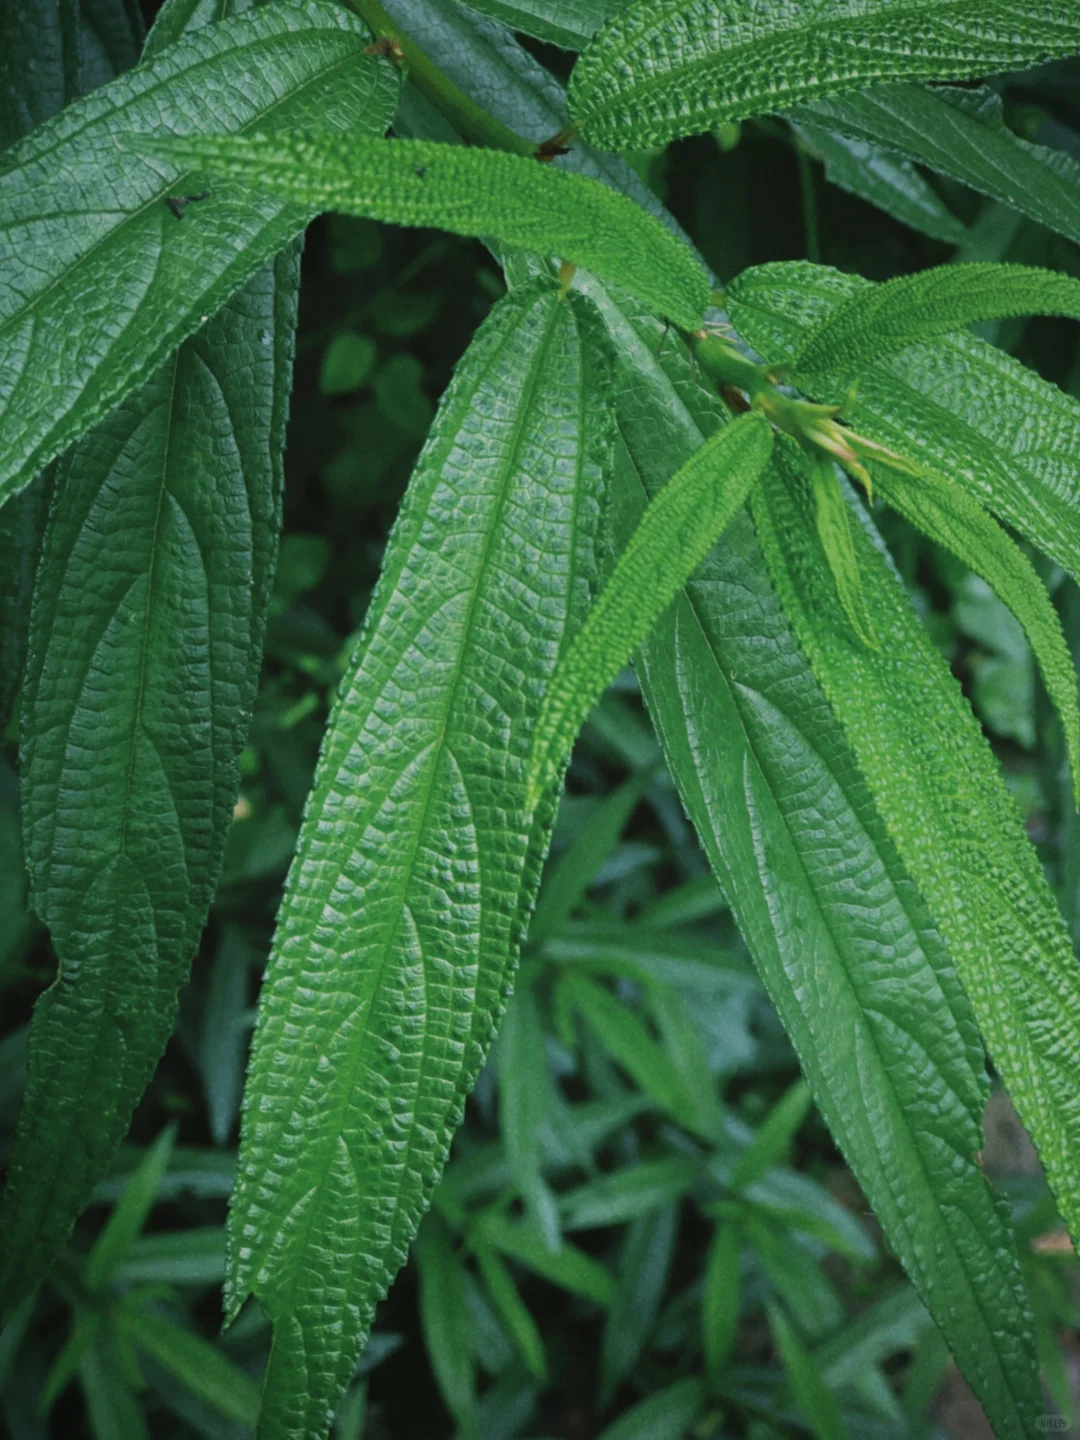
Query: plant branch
x,y
472,121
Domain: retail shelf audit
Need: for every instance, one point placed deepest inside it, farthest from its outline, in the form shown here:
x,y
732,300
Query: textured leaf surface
x,y
839,934
416,865
665,68
469,192
678,529
937,786
958,406
950,516
961,133
100,280
878,320
146,637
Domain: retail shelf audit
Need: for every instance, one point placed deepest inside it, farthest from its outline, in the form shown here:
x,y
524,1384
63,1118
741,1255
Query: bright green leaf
x,y
665,68
939,791
880,319
412,880
676,532
833,521
513,198
950,516
102,279
889,1009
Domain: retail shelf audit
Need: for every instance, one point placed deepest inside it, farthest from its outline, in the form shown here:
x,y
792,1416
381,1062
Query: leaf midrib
x,y
437,746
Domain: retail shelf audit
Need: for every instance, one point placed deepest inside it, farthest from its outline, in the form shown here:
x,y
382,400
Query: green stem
x,y
471,120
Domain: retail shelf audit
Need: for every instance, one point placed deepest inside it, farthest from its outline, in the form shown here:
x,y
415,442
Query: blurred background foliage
x,y
645,1231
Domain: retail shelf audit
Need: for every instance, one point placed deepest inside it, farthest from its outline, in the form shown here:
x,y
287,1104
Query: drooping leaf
x,y
937,786
102,280
957,406
145,645
677,530
950,516
881,319
840,936
962,134
665,68
517,200
415,869
882,178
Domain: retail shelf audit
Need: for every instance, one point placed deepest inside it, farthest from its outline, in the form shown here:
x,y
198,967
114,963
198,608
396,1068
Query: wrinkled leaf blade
x,y
145,647
512,198
368,1057
101,280
665,68
937,785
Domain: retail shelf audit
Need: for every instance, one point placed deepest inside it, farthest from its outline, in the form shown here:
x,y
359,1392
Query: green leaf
x,y
679,527
468,192
127,1220
568,1267
102,280
444,1319
962,134
626,1039
525,1101
814,1398
774,1136
841,938
950,516
883,179
113,1410
568,23
937,786
665,68
832,521
368,1056
46,65
145,647
956,406
513,1311
878,320
720,1298
200,1367
629,1192
645,1263
666,1415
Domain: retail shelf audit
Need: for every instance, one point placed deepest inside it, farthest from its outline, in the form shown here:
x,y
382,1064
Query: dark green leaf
x,y
647,1253
939,791
666,1415
774,1136
103,280
368,1056
127,1220
513,1311
570,1268
146,641
201,1367
961,133
814,1398
665,68
445,1321
720,1298
569,23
